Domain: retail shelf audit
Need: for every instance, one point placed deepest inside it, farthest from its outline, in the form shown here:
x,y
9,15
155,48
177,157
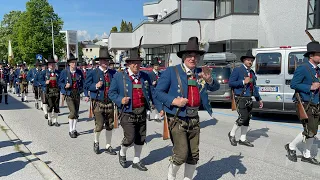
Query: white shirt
x,y
156,72
188,71
134,76
104,71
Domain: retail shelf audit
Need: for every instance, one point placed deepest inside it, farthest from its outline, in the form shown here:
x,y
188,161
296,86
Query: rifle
x,y
166,133
90,110
233,101
115,123
62,96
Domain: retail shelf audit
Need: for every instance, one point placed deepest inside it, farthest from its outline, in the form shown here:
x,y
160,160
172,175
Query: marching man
x,y
243,81
182,89
22,82
32,78
306,83
49,82
98,83
71,85
131,90
154,76
42,90
4,79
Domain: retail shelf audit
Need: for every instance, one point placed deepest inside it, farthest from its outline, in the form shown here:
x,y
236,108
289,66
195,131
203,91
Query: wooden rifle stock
x,y
166,133
233,102
62,100
309,35
115,123
90,110
301,111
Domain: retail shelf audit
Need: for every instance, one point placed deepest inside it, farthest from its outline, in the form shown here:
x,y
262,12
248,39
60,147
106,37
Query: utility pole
x,y
52,38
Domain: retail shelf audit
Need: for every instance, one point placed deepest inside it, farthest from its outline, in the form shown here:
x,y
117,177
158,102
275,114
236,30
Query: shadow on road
x,y
13,104
216,169
66,113
210,122
258,133
86,132
158,155
153,136
287,118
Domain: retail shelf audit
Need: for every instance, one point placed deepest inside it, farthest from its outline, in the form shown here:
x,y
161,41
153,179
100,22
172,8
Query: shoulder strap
x,y
97,72
124,84
179,80
69,75
312,76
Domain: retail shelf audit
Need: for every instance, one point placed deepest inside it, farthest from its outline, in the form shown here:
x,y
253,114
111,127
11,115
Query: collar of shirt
x,y
84,69
187,69
49,69
314,66
104,71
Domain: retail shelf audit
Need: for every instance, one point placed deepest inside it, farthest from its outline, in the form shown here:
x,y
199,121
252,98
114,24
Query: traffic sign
x,y
39,56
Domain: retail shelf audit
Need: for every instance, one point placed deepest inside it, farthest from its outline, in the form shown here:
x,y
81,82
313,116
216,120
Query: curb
x,y
43,168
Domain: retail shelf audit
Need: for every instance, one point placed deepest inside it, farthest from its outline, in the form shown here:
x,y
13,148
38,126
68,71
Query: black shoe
x,y
96,147
46,116
310,160
70,134
26,101
6,102
76,133
57,124
50,123
139,166
292,155
246,143
41,109
73,135
123,161
232,140
111,151
22,100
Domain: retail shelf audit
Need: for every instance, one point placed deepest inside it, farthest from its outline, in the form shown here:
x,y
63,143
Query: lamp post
x,y
52,38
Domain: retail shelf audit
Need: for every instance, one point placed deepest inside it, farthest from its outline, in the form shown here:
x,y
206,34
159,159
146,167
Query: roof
x,y
101,43
91,46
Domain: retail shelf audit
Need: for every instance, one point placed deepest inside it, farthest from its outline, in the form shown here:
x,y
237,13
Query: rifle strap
x,y
181,89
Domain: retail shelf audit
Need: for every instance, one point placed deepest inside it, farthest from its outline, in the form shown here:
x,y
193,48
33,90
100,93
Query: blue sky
x,y
92,18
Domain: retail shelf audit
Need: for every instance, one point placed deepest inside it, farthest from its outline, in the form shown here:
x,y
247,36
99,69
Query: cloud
x,y
104,35
83,35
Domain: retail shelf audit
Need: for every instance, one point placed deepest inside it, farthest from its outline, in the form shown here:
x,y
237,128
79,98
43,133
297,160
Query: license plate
x,y
268,89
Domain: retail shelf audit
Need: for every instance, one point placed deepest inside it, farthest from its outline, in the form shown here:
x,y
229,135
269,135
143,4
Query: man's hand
x,y
67,85
86,99
154,83
125,100
99,84
180,102
260,104
315,86
206,74
246,80
161,114
47,81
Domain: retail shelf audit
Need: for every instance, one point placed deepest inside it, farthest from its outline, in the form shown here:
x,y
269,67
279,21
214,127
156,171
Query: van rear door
x,y
294,58
269,68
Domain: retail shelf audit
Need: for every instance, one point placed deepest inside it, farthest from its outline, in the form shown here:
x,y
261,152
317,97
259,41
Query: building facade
x,y
228,25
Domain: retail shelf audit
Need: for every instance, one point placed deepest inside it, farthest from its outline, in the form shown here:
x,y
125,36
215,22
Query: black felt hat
x,y
50,59
155,62
312,47
72,58
248,55
104,55
192,47
134,55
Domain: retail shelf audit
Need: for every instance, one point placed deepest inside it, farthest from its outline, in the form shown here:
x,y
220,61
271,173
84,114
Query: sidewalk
x,y
17,162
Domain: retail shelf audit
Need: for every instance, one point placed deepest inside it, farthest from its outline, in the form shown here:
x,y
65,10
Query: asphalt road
x,y
75,159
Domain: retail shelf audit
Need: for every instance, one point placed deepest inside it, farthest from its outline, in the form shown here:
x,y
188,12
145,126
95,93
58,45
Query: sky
x,y
91,18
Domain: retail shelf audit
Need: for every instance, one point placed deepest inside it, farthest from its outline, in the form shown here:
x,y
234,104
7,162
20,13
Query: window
x,y
268,63
295,59
313,20
225,7
86,50
90,50
246,6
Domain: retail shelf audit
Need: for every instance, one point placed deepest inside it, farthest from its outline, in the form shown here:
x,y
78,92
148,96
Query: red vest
x,y
107,86
193,92
53,80
137,94
74,81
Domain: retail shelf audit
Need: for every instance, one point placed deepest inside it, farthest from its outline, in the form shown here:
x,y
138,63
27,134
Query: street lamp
x,y
52,37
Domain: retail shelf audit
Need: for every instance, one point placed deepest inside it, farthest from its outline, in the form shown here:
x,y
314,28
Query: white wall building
x,y
229,25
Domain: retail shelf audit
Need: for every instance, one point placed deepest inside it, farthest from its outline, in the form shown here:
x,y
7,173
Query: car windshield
x,y
221,72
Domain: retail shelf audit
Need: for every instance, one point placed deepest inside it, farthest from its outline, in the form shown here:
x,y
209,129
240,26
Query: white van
x,y
274,68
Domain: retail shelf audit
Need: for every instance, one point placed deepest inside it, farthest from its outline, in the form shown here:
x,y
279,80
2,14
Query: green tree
x,y
95,40
33,31
6,32
130,28
114,29
122,26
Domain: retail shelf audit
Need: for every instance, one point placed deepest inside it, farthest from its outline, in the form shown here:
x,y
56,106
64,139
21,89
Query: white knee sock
x,y
308,146
108,138
296,141
244,130
234,129
40,104
96,136
123,150
137,153
172,173
45,108
70,125
50,116
74,124
189,171
25,97
55,117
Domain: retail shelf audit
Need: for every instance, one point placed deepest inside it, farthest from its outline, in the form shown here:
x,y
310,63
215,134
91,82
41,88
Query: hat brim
x,y
73,59
131,60
307,54
244,57
180,53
